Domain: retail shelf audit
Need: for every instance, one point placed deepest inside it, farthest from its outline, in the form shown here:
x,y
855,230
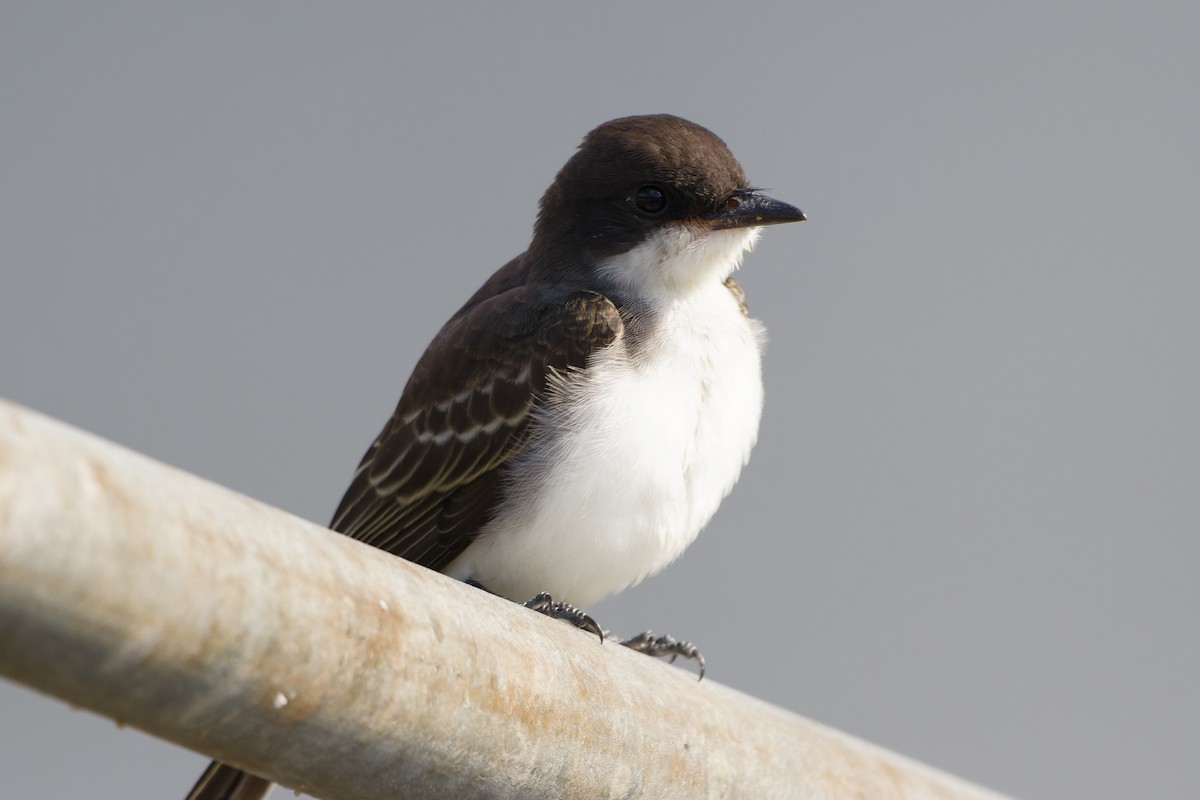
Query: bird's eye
x,y
650,200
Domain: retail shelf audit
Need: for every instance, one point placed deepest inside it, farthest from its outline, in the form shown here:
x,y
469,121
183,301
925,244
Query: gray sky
x,y
968,532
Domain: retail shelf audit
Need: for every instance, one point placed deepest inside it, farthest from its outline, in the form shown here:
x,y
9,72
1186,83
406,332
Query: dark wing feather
x,y
431,479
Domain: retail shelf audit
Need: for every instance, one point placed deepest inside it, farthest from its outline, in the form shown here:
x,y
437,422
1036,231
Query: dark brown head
x,y
634,176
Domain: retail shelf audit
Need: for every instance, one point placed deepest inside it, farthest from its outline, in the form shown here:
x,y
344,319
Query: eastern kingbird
x,y
577,422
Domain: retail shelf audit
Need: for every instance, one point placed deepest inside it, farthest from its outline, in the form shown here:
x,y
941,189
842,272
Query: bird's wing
x,y
431,479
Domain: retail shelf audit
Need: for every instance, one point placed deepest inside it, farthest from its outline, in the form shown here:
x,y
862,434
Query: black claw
x,y
545,604
665,646
647,642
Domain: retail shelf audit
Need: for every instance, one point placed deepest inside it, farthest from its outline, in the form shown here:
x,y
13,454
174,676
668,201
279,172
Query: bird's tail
x,y
225,782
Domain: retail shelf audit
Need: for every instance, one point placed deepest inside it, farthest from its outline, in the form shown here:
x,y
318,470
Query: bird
x,y
576,423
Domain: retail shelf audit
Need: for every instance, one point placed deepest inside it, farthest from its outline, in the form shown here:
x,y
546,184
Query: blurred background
x,y
969,530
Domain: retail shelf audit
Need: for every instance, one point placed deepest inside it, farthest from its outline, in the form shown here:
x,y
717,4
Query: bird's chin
x,y
681,258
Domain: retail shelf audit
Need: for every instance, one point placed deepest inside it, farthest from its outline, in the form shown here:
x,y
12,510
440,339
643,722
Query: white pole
x,y
207,618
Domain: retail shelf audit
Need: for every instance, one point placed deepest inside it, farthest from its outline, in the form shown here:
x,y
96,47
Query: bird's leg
x,y
663,646
647,642
545,604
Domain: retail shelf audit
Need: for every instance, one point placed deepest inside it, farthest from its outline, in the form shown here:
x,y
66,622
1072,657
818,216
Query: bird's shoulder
x,y
526,328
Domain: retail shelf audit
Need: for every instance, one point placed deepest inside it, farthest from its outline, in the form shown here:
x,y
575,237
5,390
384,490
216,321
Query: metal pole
x,y
204,617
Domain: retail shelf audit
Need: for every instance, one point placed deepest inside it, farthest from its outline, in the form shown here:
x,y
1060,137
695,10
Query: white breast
x,y
629,458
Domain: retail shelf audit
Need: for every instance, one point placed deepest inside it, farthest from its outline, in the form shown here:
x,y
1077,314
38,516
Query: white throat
x,y
680,259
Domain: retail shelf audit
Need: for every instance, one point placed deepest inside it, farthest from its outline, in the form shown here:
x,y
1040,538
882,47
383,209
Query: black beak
x,y
749,209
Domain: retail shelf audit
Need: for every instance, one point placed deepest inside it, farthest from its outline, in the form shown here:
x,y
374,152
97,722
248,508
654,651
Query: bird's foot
x,y
545,604
646,642
664,646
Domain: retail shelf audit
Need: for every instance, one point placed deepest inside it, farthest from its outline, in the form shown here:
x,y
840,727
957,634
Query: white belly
x,y
629,458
